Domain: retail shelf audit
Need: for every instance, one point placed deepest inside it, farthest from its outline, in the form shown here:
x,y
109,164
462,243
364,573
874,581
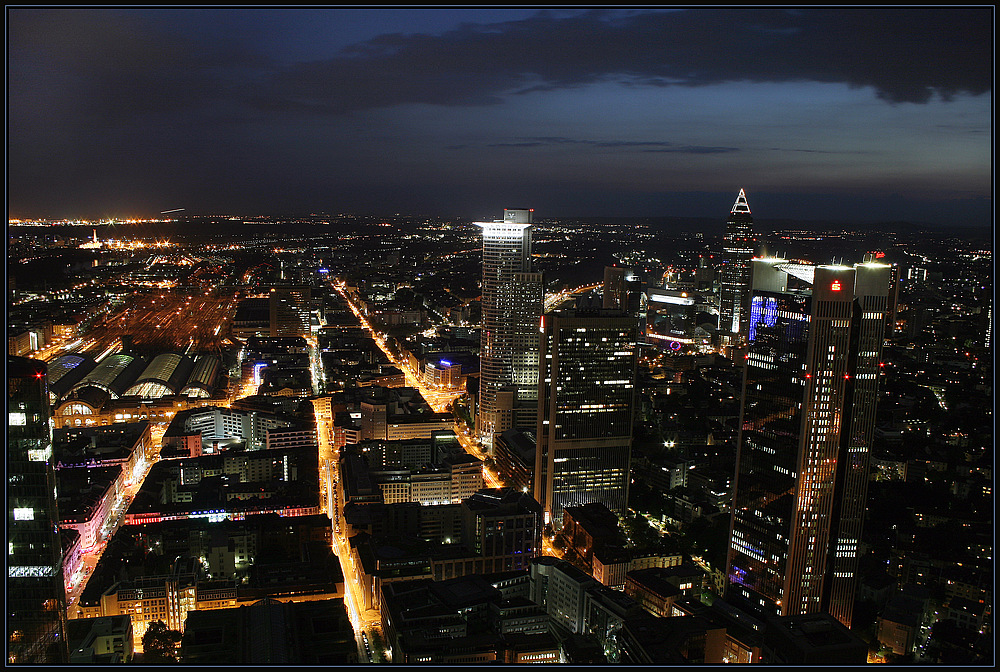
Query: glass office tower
x,y
586,396
512,302
36,596
739,245
807,419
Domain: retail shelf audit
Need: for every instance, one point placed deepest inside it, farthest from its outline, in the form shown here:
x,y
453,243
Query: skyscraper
x,y
512,301
614,286
36,597
524,297
739,243
586,391
624,291
807,419
289,310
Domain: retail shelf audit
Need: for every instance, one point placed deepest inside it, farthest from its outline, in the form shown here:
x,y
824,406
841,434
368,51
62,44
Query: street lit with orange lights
x,y
438,400
331,501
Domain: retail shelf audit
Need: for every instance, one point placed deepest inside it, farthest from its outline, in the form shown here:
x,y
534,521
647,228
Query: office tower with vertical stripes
x,y
586,393
807,419
512,302
739,246
36,596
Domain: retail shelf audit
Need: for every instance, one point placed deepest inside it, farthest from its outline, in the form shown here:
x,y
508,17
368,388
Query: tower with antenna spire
x,y
92,244
739,245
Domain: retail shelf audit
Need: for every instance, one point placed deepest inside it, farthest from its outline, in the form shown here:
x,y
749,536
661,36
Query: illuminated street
x,y
92,556
438,400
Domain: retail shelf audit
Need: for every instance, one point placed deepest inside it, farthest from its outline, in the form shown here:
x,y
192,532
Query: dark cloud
x,y
519,144
114,64
812,151
108,66
186,107
644,146
906,55
694,149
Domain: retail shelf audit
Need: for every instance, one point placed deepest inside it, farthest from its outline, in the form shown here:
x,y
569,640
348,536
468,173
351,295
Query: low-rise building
x,y
308,633
658,588
103,640
87,501
811,639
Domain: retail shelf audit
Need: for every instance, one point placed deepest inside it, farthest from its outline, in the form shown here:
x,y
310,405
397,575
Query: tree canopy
x,y
159,644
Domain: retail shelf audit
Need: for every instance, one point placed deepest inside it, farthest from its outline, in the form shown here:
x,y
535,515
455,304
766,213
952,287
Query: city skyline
x,y
837,114
361,443
273,355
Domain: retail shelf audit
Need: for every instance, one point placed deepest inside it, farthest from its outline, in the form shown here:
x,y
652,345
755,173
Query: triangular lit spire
x,y
741,206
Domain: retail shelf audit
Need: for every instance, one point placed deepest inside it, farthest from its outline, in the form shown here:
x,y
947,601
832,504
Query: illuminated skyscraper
x,y
739,243
512,302
586,393
987,338
525,296
36,597
808,415
290,314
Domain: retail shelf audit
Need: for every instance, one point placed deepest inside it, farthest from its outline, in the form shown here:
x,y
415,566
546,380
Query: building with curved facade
x,y
164,376
114,374
67,371
87,401
125,387
204,377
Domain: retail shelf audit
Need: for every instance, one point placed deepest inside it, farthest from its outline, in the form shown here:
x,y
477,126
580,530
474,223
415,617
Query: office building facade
x,y
36,596
807,418
289,307
739,245
586,392
512,300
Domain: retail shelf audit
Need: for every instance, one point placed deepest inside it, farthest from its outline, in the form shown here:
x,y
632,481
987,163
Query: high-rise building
x,y
614,286
890,314
623,290
988,336
290,310
807,418
739,244
893,299
586,391
36,596
512,302
524,297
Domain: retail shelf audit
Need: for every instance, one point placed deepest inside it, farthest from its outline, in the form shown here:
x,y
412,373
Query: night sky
x,y
840,114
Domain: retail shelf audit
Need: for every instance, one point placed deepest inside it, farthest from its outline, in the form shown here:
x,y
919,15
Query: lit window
x,y
24,513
